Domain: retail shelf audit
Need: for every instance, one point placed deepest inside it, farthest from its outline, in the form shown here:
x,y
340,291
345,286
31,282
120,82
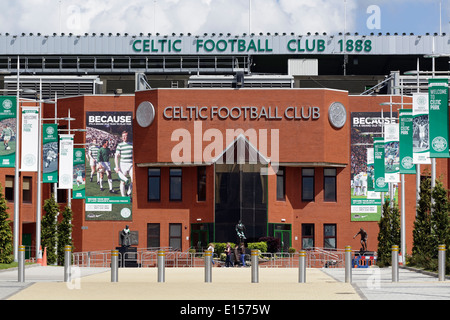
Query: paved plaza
x,y
233,284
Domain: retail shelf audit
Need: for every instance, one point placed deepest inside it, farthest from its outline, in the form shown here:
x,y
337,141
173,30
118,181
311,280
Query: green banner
x,y
50,153
79,174
438,117
8,114
406,142
380,182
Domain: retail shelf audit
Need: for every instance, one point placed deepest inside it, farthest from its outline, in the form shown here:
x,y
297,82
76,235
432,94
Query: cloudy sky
x,y
227,16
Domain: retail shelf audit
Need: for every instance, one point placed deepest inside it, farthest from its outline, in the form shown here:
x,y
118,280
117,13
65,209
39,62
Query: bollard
x,y
208,266
394,263
441,257
161,265
21,270
348,264
114,265
255,266
67,263
302,267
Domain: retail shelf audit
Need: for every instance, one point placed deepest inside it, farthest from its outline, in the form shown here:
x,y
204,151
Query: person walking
x,y
228,252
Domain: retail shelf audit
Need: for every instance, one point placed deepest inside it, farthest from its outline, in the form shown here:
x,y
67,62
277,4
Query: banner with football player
x,y
391,153
406,142
421,145
365,202
79,174
50,153
109,171
8,114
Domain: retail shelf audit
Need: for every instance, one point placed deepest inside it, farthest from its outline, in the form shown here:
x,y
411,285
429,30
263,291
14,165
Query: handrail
x,y
147,258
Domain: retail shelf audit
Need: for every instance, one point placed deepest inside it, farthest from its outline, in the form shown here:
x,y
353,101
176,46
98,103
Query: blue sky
x,y
200,16
416,16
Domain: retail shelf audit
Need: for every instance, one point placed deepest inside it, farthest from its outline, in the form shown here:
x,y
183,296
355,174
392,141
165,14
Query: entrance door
x,y
199,236
240,195
285,239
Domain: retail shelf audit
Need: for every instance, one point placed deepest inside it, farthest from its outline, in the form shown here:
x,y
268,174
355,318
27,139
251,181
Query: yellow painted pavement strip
x,y
188,284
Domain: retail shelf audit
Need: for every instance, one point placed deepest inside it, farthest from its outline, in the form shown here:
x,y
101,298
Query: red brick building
x,y
198,157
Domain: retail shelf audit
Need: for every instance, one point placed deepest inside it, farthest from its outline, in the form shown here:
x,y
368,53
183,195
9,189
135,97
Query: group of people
x,y
230,252
237,251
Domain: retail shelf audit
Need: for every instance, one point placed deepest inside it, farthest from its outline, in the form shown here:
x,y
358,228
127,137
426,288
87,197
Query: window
x,y
308,184
329,184
9,188
154,184
281,183
329,236
307,236
27,194
153,235
175,236
175,184
201,183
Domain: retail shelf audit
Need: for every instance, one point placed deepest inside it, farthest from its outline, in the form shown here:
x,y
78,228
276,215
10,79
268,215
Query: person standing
x,y
103,165
228,252
242,254
93,154
124,164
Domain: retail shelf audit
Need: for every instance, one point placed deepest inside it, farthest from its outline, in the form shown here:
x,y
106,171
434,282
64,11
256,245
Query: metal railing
x,y
147,258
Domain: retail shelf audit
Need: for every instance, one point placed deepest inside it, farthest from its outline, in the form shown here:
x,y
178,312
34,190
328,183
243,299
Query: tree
x,y
6,248
439,218
431,227
389,233
64,233
48,232
422,225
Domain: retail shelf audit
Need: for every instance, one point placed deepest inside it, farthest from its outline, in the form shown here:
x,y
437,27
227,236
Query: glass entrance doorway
x,y
240,195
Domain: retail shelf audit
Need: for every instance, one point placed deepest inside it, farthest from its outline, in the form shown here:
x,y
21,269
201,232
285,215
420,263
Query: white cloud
x,y
167,16
194,16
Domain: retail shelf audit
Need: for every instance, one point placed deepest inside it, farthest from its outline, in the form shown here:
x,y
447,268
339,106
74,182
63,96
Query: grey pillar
x,y
348,264
114,265
21,269
302,267
161,265
441,257
67,263
394,263
255,266
208,266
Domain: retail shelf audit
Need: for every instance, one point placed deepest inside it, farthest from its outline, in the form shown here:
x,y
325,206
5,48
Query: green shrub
x,y
261,246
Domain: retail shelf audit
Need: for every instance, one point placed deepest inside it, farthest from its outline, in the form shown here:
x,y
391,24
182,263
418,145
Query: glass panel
x,y
240,196
154,184
175,235
307,188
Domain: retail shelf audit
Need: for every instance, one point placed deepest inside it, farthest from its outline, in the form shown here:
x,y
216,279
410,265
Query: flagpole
x,y
16,225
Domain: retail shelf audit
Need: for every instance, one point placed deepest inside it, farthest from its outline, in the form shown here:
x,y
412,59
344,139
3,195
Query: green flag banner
x,y
380,183
79,174
50,153
438,117
8,114
406,148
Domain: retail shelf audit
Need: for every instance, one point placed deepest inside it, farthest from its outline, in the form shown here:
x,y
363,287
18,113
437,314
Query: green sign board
x,y
438,117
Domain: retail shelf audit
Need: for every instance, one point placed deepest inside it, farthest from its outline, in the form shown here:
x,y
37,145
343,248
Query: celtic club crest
x,y
439,144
